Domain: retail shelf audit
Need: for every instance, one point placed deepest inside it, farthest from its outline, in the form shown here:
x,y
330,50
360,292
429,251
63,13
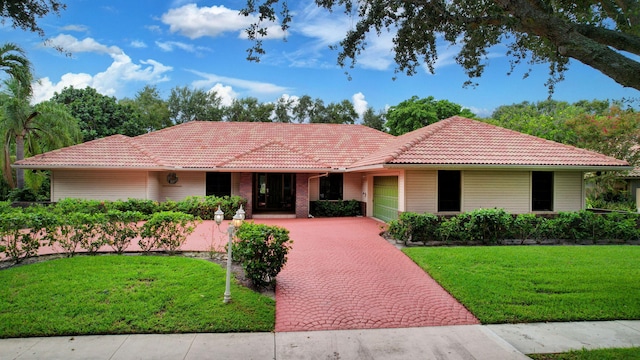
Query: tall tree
x,y
615,132
415,113
187,104
24,14
31,130
99,115
283,111
546,119
373,120
336,113
603,34
303,109
153,110
14,62
249,109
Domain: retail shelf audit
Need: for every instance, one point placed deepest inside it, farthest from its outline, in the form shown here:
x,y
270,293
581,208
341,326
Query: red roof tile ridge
x,y
264,145
244,153
299,151
145,152
415,137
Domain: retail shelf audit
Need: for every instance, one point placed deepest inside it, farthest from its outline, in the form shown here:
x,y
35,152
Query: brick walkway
x,y
342,275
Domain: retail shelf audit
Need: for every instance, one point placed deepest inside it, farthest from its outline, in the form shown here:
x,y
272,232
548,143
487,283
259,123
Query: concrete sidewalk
x,y
439,342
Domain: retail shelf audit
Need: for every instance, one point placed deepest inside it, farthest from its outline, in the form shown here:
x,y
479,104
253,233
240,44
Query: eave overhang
x,y
585,168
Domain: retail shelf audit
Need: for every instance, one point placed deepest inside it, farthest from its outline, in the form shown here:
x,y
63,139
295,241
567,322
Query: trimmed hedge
x,y
336,208
202,207
74,224
496,226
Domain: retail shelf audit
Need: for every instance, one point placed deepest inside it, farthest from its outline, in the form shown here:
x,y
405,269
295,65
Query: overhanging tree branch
x,y
572,43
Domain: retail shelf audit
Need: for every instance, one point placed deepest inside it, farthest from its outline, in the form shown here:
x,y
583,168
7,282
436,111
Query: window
x,y
448,190
218,184
331,187
542,191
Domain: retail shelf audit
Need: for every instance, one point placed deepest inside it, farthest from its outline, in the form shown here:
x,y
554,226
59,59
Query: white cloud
x,y
154,29
255,87
359,103
379,52
108,82
138,44
482,112
72,44
195,22
78,28
329,28
225,93
169,46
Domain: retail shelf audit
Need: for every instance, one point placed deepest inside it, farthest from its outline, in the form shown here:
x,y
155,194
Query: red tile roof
x,y
116,151
461,141
317,147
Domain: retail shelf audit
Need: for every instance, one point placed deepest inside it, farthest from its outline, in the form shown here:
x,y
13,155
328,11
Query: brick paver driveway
x,y
342,275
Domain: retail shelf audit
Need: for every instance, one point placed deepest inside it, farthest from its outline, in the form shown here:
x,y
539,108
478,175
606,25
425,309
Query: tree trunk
x,y
570,41
7,171
19,156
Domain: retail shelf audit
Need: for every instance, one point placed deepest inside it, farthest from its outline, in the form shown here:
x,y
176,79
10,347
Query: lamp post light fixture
x,y
238,218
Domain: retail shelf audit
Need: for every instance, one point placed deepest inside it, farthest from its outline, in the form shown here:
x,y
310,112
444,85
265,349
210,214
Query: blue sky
x,y
118,47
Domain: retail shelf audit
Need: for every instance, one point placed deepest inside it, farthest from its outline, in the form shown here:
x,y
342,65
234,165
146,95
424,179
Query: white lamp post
x,y
235,224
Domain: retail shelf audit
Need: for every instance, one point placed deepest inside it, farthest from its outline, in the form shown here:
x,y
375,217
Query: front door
x,y
274,192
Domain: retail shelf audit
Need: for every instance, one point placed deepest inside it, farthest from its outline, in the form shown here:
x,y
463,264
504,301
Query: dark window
x,y
331,187
448,190
218,184
542,190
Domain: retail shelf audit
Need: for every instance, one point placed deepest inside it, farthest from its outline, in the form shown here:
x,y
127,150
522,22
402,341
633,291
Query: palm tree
x,y
31,130
14,62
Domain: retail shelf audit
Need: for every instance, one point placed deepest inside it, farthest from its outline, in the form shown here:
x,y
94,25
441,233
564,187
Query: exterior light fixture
x,y
238,218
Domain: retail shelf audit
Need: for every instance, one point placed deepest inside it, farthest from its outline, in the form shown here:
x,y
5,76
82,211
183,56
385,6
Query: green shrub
x,y
622,226
204,207
146,207
70,205
72,230
412,227
166,230
24,194
336,208
94,238
487,225
262,250
21,234
578,226
493,226
451,229
121,227
5,207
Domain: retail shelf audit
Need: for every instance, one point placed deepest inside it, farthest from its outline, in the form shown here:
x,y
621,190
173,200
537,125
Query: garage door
x,y
385,197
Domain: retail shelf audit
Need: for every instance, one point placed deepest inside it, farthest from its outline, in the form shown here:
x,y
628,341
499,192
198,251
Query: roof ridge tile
x,y
267,143
146,152
421,134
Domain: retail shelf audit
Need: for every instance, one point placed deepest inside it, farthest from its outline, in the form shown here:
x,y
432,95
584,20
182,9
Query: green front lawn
x,y
513,284
600,354
126,294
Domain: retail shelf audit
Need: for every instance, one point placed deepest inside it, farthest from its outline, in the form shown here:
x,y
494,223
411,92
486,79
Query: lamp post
x,y
235,224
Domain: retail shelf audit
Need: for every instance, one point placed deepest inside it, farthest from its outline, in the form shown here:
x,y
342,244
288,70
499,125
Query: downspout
x,y
309,187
